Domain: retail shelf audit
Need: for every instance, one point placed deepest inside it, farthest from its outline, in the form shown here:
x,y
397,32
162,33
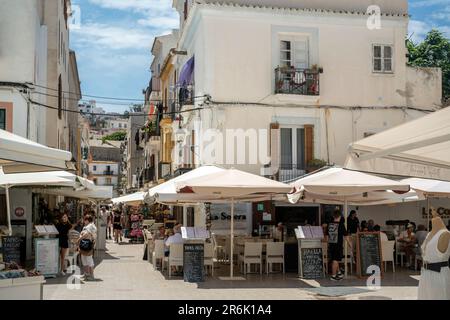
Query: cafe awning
x,y
97,193
133,199
187,73
430,188
18,155
166,193
341,183
419,148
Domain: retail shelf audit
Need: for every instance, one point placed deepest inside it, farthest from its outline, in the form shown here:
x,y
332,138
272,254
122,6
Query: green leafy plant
x,y
116,136
317,163
433,52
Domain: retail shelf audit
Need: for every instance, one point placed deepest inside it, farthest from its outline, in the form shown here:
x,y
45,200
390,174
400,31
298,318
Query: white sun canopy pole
x,y
346,186
419,148
231,186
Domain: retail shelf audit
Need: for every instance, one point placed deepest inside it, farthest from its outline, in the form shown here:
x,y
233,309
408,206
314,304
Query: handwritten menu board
x,y
368,250
47,256
13,250
193,266
312,263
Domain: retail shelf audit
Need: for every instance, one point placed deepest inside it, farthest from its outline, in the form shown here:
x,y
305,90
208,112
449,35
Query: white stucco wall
x,y
237,51
405,211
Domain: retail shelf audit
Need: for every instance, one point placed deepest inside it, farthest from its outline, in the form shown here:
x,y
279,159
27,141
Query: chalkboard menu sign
x,y
193,266
312,263
368,251
13,249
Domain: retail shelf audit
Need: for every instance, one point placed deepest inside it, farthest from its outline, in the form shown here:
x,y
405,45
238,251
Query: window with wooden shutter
x,y
383,56
309,143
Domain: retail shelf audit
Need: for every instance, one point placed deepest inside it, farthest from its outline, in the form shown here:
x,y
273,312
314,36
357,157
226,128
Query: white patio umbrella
x,y
232,185
166,193
429,189
8,181
344,185
131,199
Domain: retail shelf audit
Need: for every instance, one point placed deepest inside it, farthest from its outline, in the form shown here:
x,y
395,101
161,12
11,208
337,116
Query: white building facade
x,y
294,82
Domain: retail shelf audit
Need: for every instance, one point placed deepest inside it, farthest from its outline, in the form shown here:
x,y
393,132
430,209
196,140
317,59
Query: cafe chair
x,y
252,255
350,258
387,253
208,259
150,249
175,258
399,252
274,254
218,248
158,254
72,255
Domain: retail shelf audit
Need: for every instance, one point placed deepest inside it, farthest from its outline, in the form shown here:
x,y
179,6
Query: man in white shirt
x,y
176,238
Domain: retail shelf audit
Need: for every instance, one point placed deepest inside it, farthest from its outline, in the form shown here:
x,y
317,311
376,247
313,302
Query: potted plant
x,y
315,164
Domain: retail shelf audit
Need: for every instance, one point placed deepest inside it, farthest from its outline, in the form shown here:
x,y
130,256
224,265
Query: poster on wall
x,y
221,218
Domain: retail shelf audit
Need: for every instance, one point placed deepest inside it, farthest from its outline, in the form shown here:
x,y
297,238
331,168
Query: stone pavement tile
x,y
122,274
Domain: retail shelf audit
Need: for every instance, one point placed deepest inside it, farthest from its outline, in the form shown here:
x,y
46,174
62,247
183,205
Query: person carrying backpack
x,y
86,245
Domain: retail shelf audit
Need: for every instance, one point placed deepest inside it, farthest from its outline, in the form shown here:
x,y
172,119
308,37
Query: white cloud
x,y
135,5
443,14
160,22
112,37
418,30
427,3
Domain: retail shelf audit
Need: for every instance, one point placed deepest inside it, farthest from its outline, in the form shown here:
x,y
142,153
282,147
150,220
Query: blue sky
x,y
114,40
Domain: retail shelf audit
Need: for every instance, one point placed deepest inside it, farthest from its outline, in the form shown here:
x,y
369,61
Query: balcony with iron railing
x,y
290,172
290,80
108,173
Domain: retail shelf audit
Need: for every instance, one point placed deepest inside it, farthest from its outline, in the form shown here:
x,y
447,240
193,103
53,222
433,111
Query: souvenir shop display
x,y
136,224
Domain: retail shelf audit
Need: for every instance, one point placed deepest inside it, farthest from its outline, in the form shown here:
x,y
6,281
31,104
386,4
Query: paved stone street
x,y
122,274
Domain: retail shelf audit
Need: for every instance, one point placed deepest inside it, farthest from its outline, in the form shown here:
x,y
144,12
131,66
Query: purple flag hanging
x,y
187,73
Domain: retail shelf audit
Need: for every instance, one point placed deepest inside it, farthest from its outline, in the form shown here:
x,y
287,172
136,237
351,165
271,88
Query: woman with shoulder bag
x,y
86,245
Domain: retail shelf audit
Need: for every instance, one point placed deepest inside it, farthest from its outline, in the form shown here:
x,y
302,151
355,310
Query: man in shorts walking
x,y
336,234
86,244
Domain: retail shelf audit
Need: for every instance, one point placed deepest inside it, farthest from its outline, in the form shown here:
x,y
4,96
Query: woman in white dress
x,y
434,285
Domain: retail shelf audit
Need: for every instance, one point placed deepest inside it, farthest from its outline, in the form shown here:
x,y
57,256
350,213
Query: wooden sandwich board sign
x,y
368,253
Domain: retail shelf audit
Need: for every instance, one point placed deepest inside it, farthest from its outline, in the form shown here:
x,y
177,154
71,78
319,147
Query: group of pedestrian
x,y
85,243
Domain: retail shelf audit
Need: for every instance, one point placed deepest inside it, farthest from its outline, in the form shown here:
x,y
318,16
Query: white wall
x,y
344,127
23,198
239,64
407,211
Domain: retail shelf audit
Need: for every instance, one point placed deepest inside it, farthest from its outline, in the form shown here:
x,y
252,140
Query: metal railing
x,y
290,80
108,173
286,172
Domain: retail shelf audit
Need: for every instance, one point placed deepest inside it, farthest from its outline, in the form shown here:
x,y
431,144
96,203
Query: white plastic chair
x,y
399,252
175,258
208,259
252,255
72,255
274,254
218,249
158,254
387,253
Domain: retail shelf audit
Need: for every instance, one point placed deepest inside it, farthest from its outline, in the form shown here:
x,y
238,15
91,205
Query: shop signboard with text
x,y
221,218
